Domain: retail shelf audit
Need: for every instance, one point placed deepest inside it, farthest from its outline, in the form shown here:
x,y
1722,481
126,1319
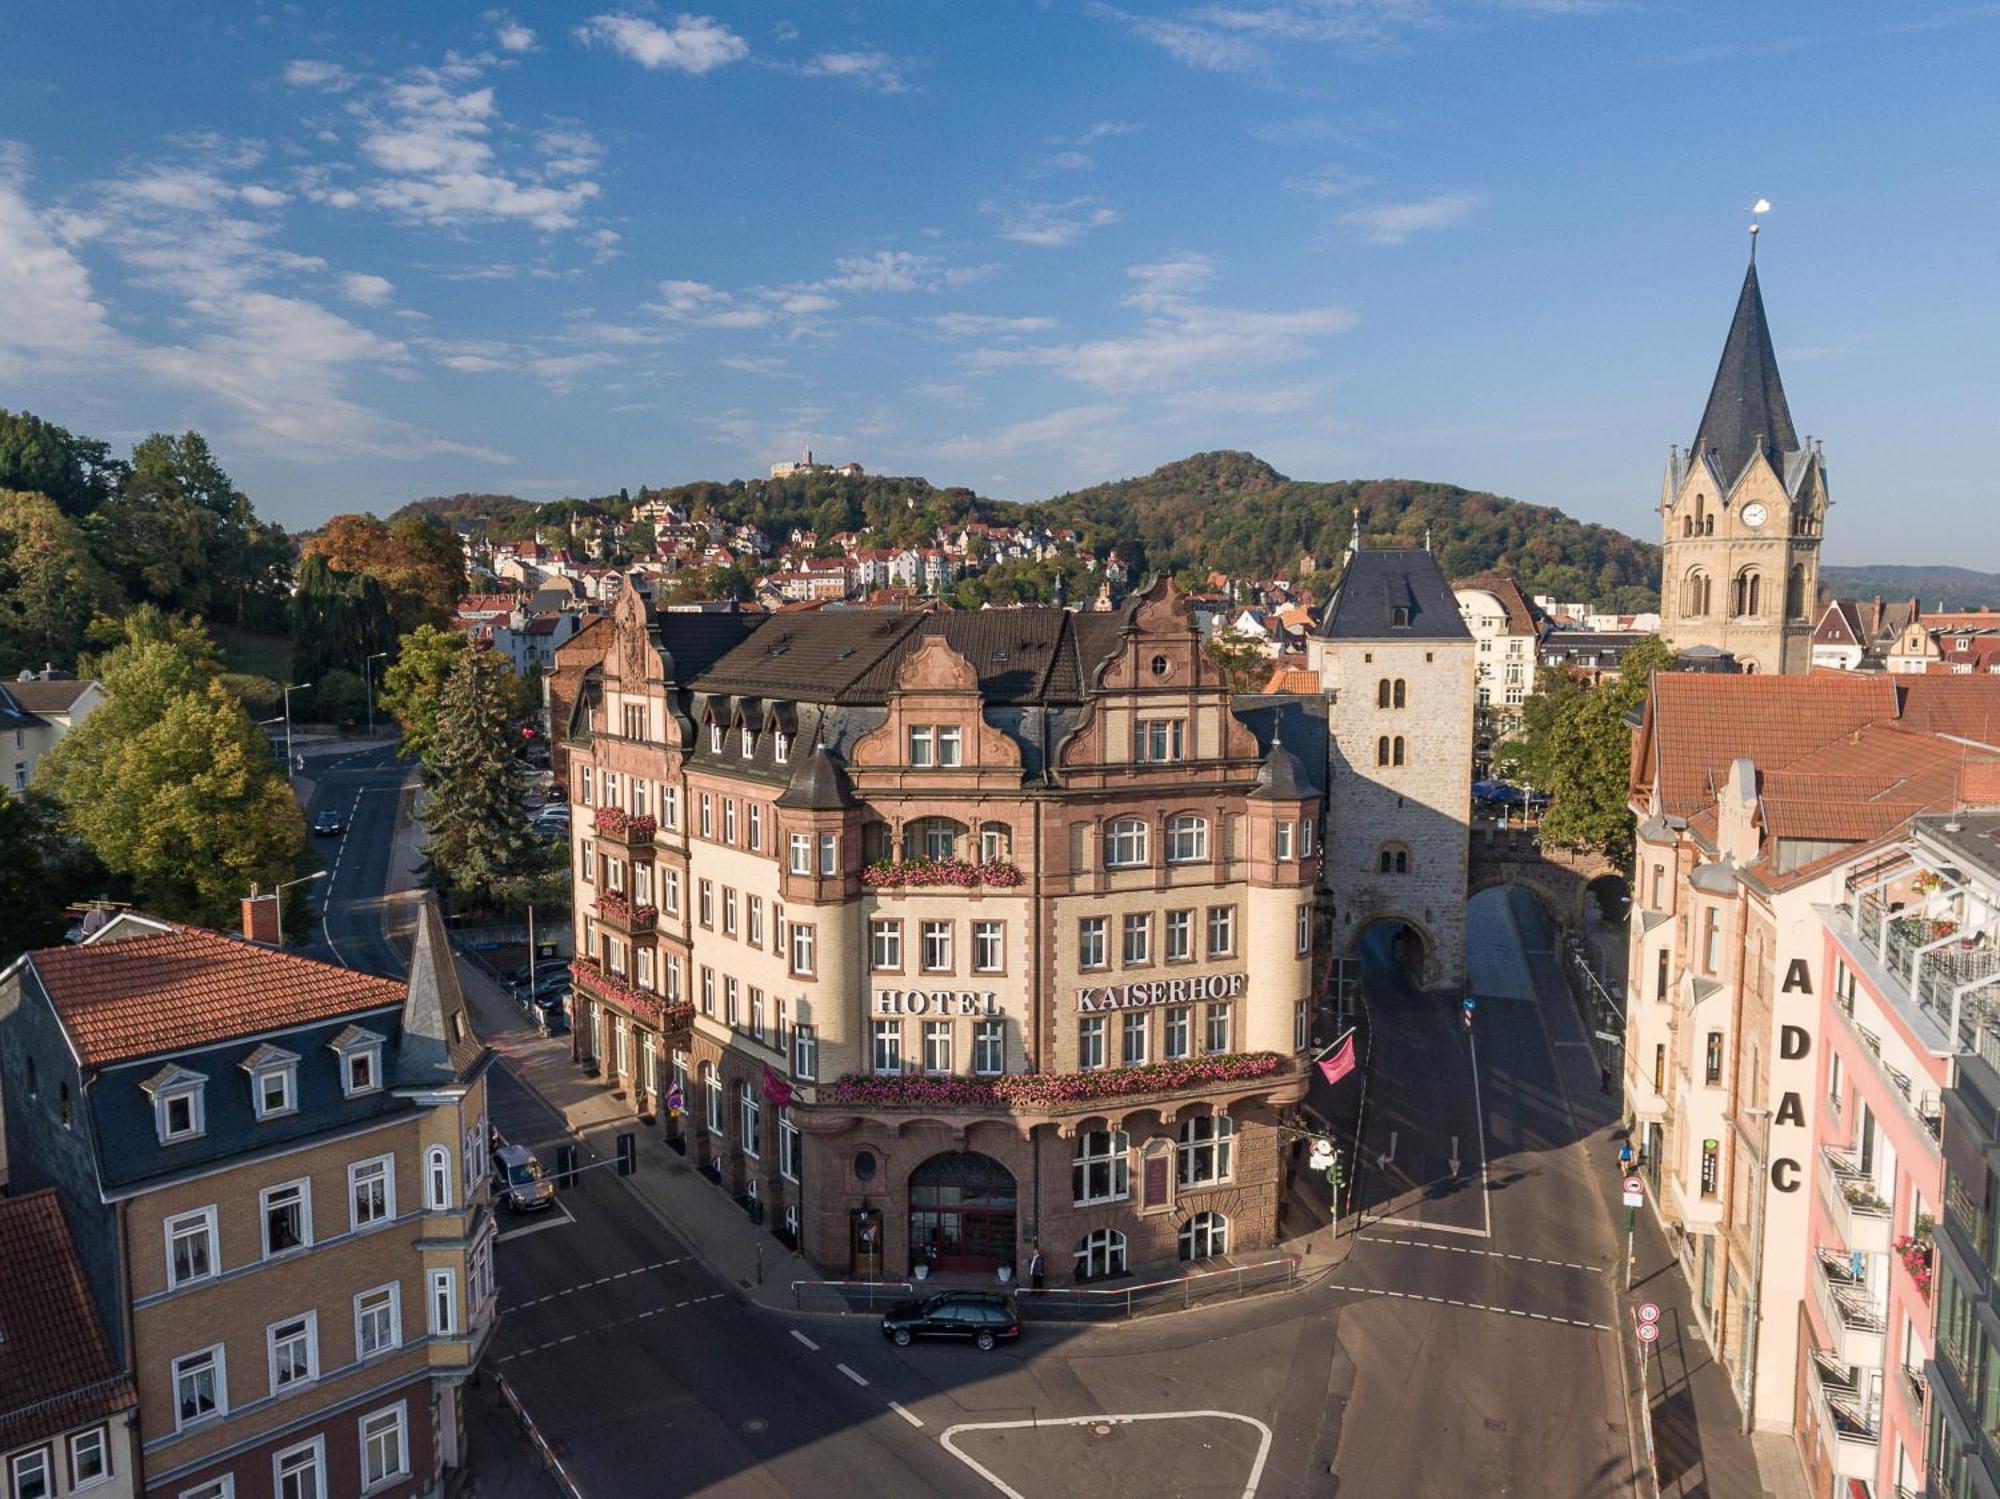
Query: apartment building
x,y
275,1174
952,934
67,1420
1505,630
1761,800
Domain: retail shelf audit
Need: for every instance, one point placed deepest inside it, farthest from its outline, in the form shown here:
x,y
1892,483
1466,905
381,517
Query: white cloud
x,y
1052,224
693,44
1180,341
803,303
514,37
328,77
705,306
53,317
1104,130
368,290
1328,181
1394,223
755,364
1082,433
1200,47
1294,132
983,325
900,270
435,145
875,70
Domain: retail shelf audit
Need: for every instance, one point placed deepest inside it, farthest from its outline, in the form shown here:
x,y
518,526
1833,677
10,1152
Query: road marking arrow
x,y
1454,1155
1383,1158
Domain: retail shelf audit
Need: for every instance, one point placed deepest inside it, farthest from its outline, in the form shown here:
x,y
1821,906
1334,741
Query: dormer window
x,y
781,747
715,738
749,741
274,1081
360,1056
1399,616
178,1109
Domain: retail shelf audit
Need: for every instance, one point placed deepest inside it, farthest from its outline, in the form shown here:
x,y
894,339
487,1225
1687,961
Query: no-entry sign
x,y
1635,1192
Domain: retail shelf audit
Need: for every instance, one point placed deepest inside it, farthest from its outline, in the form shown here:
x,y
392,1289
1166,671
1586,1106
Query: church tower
x,y
1742,512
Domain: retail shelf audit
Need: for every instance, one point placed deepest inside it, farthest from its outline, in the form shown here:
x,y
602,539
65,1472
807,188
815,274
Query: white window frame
x,y
401,1426
788,1145
1221,919
1105,1153
1160,741
1135,1039
922,752
1135,938
370,1053
441,1297
1303,930
222,1486
1207,1231
805,1053
308,1322
205,1218
885,1048
1204,1150
304,1184
437,1169
1301,1024
1216,1029
934,946
989,1048
798,851
286,1075
393,1292
1091,1044
781,747
729,821
1092,934
1177,1033
316,1448
44,1468
707,808
829,856
950,746
163,1101
756,820
1178,946
989,946
1103,1247
1283,835
1187,838
1305,837
937,1047
1127,843
101,1435
387,1168
885,946
218,1361
749,1120
802,956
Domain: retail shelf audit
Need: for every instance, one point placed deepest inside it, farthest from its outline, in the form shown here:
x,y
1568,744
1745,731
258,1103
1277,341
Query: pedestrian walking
x,y
1625,1157
1035,1271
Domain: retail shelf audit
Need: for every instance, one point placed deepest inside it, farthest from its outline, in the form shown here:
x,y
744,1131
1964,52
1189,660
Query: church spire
x,y
1746,406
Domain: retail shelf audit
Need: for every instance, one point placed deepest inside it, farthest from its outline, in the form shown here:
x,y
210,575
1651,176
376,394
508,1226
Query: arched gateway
x,y
962,1212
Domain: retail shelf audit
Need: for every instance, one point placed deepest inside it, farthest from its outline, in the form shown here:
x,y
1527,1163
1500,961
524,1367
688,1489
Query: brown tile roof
x,y
1297,679
58,696
1968,706
1700,721
56,1368
1520,613
122,996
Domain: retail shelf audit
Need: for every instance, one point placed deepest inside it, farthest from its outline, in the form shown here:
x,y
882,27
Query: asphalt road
x,y
364,786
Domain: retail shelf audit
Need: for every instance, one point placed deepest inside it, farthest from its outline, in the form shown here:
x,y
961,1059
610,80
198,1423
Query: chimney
x,y
1875,619
260,919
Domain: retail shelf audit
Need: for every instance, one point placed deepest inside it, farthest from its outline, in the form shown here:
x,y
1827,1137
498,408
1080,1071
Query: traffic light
x,y
628,1153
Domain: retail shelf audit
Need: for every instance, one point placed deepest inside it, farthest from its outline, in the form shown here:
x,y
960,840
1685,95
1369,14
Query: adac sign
x,y
1135,996
1794,1045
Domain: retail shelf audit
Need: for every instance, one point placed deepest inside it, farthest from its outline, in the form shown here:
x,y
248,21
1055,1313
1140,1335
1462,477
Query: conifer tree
x,y
479,847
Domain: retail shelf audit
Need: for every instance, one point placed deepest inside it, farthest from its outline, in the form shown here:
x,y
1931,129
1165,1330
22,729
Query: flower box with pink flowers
x,y
1048,1090
962,874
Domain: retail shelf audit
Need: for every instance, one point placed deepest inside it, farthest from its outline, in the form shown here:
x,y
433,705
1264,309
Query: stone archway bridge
x,y
1559,878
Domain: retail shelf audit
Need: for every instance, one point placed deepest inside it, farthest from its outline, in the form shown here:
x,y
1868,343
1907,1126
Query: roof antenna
x,y
1761,206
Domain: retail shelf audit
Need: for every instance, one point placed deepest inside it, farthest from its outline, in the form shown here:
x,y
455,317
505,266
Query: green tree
x,y
338,621
77,473
50,585
479,849
171,785
412,685
1241,658
42,869
341,697
1530,755
1590,769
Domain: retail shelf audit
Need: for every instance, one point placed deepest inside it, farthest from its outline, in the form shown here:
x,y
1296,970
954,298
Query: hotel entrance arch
x,y
962,1212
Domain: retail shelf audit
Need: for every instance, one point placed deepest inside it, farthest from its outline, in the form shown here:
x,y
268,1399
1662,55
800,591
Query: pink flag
x,y
1337,1066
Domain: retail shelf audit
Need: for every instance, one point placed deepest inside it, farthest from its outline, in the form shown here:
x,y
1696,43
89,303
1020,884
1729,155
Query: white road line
x,y
1439,1228
850,1374
1491,1254
906,1415
805,1340
1476,1306
1479,1115
1249,1488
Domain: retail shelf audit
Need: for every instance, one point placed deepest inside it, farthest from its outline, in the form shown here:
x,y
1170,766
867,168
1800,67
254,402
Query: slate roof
x,y
438,1044
56,1368
1379,581
819,783
40,696
142,988
1746,404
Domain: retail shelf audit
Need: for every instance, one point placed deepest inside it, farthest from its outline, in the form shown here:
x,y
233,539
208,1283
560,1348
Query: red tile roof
x,y
56,1368
124,996
1520,613
1968,706
1298,679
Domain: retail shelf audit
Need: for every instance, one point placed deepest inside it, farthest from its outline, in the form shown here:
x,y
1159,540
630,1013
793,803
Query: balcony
x,y
1949,971
622,829
1859,1214
1850,1430
672,1016
1856,1328
618,913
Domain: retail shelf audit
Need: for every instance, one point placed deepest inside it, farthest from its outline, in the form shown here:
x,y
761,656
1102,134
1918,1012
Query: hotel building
x,y
955,933
274,1172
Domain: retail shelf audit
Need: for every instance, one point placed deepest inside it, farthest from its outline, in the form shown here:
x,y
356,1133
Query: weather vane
x,y
1761,206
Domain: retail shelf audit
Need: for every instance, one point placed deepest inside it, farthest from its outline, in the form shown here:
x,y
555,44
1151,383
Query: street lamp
x,y
289,762
368,671
278,894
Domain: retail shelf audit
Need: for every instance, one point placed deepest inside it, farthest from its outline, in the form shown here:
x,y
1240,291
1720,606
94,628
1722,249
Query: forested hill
x,y
1951,587
1214,512
1234,513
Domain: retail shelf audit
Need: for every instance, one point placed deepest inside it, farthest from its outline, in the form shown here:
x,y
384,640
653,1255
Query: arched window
x,y
437,1179
933,838
1100,1254
1382,693
1795,594
1187,838
1749,595
1401,695
1102,1171
1382,750
1694,594
1687,525
1396,750
1393,859
1205,1144
1708,525
1204,1236
1125,843
996,842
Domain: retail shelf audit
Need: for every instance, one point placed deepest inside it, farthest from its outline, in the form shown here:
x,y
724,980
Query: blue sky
x,y
378,250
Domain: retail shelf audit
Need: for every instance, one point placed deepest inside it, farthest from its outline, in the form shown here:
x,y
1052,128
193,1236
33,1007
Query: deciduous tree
x,y
50,585
413,684
1590,768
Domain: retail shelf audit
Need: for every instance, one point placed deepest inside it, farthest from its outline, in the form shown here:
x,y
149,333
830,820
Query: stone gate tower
x,y
1742,512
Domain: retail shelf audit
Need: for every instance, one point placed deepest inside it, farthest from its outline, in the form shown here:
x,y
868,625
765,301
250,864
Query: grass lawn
x,y
259,655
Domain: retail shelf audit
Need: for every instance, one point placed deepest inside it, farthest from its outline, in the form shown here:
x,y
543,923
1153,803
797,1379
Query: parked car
x,y
518,1180
553,1019
538,974
549,989
328,824
982,1318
